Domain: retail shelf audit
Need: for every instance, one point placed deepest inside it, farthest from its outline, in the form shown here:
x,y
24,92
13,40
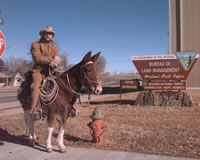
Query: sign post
x,y
2,44
132,84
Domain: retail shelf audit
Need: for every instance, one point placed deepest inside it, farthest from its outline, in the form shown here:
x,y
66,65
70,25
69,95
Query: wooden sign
x,y
132,84
164,85
162,67
129,84
165,72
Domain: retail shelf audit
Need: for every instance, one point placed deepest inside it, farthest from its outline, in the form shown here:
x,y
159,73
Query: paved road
x,y
10,105
8,102
13,151
8,99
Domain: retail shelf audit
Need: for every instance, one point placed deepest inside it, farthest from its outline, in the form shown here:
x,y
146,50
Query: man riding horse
x,y
45,54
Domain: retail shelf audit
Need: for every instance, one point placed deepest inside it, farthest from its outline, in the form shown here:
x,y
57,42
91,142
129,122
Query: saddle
x,y
24,91
24,95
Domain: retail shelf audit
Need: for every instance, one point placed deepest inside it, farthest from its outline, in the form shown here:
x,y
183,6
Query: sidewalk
x,y
11,151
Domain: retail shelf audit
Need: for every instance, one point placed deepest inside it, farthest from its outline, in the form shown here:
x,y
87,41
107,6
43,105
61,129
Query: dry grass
x,y
159,130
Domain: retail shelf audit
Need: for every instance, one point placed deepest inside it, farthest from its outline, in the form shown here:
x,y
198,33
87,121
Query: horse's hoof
x,y
62,150
49,150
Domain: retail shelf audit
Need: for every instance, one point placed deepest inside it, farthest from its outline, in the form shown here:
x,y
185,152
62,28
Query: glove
x,y
57,59
54,63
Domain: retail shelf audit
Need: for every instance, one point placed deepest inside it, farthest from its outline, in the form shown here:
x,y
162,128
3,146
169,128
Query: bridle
x,y
48,97
83,74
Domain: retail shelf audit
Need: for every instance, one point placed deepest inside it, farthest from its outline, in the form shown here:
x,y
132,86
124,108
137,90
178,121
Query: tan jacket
x,y
42,54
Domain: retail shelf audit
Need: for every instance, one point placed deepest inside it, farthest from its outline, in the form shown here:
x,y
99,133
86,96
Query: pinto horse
x,y
69,82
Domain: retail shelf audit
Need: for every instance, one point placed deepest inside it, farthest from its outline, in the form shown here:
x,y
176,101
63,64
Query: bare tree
x,y
28,47
23,66
101,64
20,65
65,62
11,64
2,65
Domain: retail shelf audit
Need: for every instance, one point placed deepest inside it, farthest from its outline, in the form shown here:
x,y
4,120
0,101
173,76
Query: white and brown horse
x,y
69,82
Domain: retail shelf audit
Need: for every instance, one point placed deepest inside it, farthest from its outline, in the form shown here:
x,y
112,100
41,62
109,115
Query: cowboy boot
x,y
34,111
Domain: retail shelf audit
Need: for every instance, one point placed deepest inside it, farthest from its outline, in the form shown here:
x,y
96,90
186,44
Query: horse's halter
x,y
84,76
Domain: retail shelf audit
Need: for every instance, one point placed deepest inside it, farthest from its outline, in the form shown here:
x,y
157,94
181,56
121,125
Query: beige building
x,y
184,29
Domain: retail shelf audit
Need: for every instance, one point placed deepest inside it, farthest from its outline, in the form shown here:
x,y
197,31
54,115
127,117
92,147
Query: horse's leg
x,y
30,125
51,118
60,137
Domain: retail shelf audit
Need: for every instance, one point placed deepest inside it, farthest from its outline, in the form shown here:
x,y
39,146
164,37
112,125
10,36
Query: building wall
x,y
184,17
172,27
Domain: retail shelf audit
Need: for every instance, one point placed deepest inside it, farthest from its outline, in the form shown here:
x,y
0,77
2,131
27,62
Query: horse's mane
x,y
73,68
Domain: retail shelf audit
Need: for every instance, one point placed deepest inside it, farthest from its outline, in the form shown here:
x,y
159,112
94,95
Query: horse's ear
x,y
95,57
87,57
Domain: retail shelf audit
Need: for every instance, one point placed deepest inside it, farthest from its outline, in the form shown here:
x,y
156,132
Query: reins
x,y
78,94
48,95
68,81
69,88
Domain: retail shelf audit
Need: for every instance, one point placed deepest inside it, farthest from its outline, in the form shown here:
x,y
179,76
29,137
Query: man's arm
x,y
37,56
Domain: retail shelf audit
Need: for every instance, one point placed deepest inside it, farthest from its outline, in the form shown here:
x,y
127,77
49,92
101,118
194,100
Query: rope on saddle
x,y
49,91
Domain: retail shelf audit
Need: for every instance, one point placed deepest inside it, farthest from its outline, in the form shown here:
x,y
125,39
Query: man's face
x,y
48,36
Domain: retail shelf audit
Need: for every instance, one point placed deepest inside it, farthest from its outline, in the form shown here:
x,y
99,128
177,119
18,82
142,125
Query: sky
x,y
118,28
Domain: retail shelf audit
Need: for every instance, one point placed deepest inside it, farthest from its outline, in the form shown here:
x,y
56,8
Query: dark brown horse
x,y
69,82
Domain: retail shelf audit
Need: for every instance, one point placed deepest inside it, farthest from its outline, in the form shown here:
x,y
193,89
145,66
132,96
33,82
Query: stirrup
x,y
36,115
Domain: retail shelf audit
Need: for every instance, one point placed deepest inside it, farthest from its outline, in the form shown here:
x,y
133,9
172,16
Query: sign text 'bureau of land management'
x,y
165,72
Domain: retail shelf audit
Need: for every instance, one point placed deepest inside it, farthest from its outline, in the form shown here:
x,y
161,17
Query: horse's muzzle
x,y
98,89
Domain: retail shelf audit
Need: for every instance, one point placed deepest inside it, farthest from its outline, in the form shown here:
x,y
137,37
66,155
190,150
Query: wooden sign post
x,y
132,84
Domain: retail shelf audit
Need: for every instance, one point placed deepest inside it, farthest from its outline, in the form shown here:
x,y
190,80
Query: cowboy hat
x,y
97,114
48,29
